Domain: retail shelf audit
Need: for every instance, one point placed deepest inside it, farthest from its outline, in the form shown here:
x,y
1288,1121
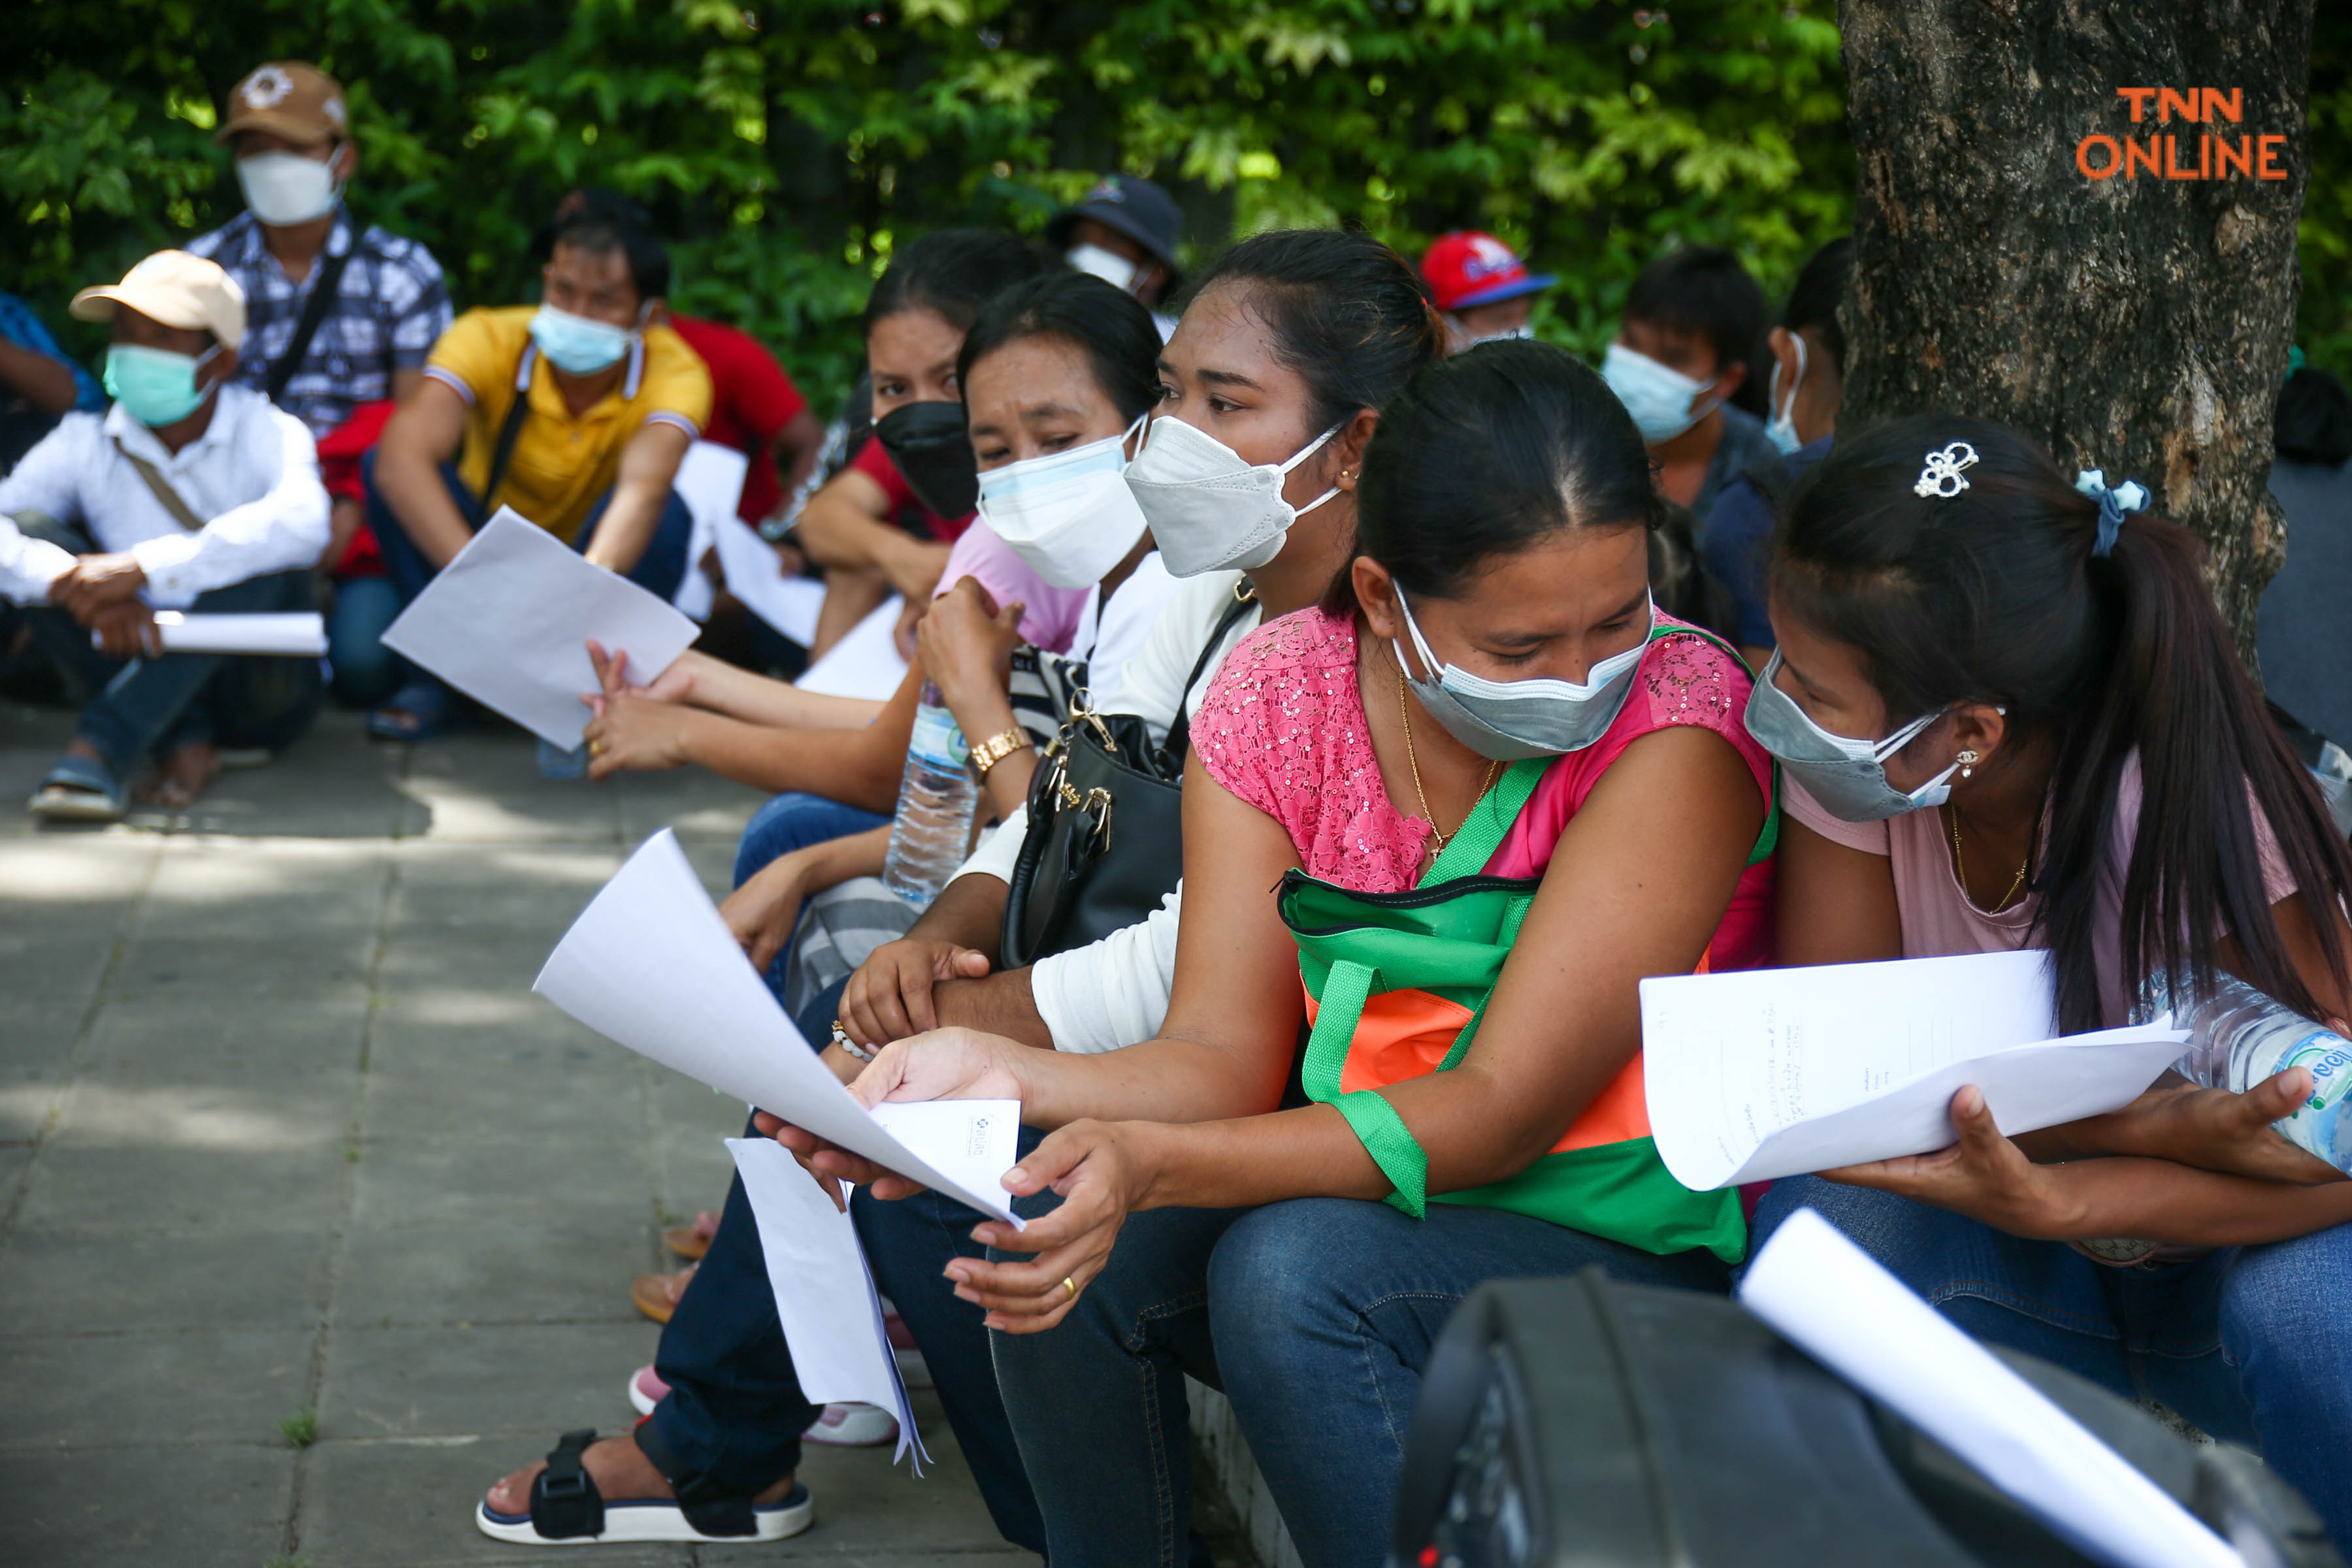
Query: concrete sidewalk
x,y
282,1130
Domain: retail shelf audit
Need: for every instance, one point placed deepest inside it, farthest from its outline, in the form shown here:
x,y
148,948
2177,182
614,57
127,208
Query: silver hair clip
x,y
1941,477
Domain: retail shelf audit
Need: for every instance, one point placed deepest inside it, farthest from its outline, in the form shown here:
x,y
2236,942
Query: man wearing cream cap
x,y
190,492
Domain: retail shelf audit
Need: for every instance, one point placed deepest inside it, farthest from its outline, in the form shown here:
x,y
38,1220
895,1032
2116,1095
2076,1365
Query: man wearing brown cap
x,y
190,492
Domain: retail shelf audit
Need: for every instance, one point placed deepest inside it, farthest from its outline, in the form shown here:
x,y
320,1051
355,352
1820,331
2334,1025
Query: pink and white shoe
x,y
913,1370
853,1427
647,1390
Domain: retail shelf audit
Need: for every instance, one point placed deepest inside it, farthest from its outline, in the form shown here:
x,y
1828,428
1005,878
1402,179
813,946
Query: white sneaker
x,y
853,1427
647,1389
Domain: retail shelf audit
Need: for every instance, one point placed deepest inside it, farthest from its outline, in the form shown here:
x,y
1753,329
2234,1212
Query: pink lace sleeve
x,y
1265,702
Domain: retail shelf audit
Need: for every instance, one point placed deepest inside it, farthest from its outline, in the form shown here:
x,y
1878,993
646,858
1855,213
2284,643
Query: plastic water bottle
x,y
938,798
2237,1036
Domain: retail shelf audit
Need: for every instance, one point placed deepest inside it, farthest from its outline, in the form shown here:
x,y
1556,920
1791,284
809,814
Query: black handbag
x,y
1106,841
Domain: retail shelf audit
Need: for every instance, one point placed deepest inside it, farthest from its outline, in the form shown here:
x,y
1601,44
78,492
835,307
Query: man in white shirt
x,y
189,493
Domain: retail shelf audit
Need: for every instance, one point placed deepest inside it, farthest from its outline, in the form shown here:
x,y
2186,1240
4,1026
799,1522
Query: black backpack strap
x,y
1180,729
324,287
510,430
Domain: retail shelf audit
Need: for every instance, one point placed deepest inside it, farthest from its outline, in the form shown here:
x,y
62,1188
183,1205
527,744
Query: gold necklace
x,y
1405,711
1960,870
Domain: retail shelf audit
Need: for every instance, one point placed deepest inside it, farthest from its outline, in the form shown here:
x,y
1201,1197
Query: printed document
x,y
293,634
1833,1299
1761,1073
508,623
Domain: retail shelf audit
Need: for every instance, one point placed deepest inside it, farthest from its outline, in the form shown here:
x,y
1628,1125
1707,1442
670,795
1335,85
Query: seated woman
x,y
2072,759
1486,714
1053,367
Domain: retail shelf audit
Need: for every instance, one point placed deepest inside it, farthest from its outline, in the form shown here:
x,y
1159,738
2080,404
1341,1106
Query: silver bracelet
x,y
847,1043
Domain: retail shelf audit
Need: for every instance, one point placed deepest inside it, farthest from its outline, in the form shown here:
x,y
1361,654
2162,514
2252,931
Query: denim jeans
x,y
658,571
134,707
2249,1342
365,672
1315,1316
789,822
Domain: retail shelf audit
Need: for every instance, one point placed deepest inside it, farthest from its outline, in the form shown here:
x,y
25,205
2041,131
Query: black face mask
x,y
932,450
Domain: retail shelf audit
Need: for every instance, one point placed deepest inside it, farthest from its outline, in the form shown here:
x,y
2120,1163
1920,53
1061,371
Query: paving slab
x,y
220,1506
189,1385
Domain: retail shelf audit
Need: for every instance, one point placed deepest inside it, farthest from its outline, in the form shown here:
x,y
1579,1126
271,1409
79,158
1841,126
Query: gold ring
x,y
595,748
1073,1290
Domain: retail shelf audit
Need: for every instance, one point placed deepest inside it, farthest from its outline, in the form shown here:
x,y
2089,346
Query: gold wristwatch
x,y
996,748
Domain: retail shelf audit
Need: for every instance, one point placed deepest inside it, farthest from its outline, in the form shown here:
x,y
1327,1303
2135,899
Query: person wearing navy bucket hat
x,y
1125,231
1481,287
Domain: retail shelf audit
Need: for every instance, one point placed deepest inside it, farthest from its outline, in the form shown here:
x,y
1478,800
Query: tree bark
x,y
2133,324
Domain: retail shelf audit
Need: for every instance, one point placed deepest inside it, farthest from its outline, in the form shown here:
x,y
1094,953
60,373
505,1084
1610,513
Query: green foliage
x,y
301,1428
788,146
2324,322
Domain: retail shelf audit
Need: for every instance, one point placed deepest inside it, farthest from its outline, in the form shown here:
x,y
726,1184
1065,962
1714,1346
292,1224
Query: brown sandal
x,y
691,1241
657,1295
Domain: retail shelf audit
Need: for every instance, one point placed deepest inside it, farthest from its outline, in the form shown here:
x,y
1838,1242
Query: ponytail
x,y
1998,596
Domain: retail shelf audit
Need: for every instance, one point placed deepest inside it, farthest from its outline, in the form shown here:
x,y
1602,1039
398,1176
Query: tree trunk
x,y
2138,323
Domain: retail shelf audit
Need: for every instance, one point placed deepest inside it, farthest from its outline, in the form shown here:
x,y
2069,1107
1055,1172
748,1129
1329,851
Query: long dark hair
x,y
953,271
1995,595
1481,455
1344,312
1116,333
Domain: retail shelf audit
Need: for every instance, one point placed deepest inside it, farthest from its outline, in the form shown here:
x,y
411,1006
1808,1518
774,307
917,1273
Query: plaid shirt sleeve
x,y
416,299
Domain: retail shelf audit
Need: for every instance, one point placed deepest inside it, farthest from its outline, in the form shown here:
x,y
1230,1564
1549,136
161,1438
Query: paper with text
x,y
508,623
1818,1290
293,634
865,662
1757,1074
824,1291
650,964
756,576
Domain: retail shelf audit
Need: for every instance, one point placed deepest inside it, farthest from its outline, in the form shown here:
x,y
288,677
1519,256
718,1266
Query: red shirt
x,y
900,496
752,399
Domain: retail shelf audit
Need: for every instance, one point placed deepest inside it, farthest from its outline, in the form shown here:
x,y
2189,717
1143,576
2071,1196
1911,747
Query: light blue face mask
x,y
155,386
576,345
1846,776
1658,396
1512,720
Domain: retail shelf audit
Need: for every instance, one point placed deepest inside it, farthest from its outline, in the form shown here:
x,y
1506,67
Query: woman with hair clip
x,y
1496,788
2008,715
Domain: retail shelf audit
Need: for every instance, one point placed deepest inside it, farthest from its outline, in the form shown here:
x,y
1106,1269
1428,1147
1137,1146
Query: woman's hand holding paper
x,y
1985,1176
1102,1169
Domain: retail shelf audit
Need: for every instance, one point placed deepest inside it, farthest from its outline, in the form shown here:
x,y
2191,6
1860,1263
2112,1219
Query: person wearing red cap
x,y
1481,287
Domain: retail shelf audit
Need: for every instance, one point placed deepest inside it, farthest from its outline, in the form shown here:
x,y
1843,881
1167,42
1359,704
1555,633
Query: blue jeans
x,y
134,707
1315,1316
788,821
658,571
365,672
2249,1342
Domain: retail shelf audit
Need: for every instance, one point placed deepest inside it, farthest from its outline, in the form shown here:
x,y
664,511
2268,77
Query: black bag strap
x,y
324,287
510,430
1180,729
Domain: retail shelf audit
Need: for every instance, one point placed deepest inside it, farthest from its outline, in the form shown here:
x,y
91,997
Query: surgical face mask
x,y
1210,510
576,345
1658,396
1846,776
1783,428
285,188
1069,516
931,447
1107,265
155,386
1511,720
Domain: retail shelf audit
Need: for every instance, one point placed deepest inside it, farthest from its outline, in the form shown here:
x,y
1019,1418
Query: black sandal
x,y
566,1508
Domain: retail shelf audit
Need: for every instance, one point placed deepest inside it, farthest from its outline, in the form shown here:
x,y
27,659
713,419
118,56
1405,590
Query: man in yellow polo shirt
x,y
574,412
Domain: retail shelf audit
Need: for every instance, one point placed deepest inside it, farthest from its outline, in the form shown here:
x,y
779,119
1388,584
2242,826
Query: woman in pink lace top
x,y
1498,608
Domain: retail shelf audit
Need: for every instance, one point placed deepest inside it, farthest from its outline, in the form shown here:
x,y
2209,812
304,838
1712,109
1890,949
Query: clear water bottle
x,y
937,800
2238,1037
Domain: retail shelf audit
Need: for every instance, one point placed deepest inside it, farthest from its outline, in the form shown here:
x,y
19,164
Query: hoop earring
x,y
1968,760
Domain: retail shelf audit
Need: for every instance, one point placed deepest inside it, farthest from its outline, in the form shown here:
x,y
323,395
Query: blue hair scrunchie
x,y
2129,496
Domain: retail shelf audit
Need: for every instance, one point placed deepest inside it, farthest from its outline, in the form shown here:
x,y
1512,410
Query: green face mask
x,y
155,386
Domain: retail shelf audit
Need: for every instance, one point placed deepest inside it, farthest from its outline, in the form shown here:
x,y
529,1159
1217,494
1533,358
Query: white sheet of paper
x,y
1753,1075
710,481
865,663
755,576
297,634
972,1142
650,964
824,1291
507,624
1820,1290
